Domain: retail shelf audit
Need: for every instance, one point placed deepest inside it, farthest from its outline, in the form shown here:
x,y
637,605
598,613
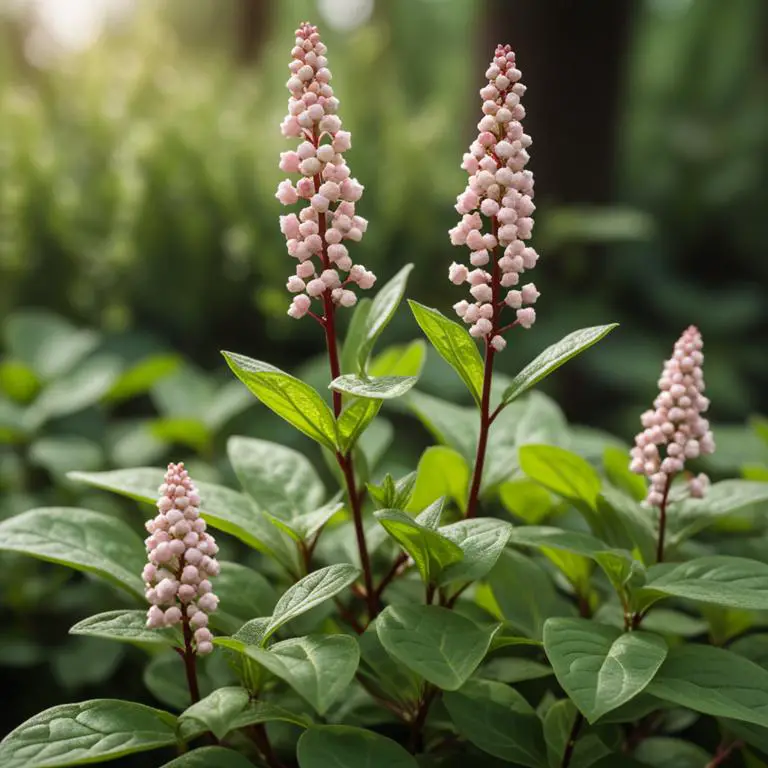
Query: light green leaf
x,y
87,732
526,609
616,466
62,453
732,582
342,746
599,667
139,378
382,310
499,721
436,643
86,541
281,481
355,336
312,590
401,360
318,667
714,681
288,397
125,626
451,425
526,500
454,344
553,357
482,540
18,381
441,472
380,388
431,552
208,757
354,420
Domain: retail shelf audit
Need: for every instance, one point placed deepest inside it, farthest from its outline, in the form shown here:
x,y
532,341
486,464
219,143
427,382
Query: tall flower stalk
x,y
675,425
325,275
496,208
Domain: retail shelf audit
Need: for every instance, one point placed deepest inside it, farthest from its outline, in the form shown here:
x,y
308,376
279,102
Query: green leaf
x,y
431,551
86,541
626,524
243,595
732,582
87,732
125,626
341,746
281,480
48,344
714,681
18,381
616,468
288,397
382,310
222,508
140,378
664,752
441,472
454,344
558,726
514,669
482,540
63,453
599,667
436,643
499,721
318,667
401,360
526,609
354,420
312,590
380,388
553,357
526,500
216,711
207,757
451,425
562,472
355,336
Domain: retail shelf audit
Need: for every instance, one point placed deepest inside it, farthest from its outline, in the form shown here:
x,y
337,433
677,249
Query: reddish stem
x,y
189,659
397,568
572,737
724,751
663,521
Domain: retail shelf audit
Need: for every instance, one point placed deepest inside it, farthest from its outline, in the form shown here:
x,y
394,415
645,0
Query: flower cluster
x,y
501,190
675,422
320,229
181,560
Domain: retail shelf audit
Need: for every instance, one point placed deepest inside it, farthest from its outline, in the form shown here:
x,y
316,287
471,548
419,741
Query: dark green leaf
x,y
558,727
126,626
616,466
139,378
215,712
341,746
243,595
210,757
661,752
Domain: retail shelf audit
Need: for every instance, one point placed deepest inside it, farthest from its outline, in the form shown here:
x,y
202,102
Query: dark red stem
x,y
396,569
663,521
724,751
260,738
189,659
417,726
572,737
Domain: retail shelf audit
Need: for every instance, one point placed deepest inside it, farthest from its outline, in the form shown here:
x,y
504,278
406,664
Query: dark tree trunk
x,y
572,58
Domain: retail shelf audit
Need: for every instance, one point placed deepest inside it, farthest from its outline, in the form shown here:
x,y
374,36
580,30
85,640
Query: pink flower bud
x,y
526,317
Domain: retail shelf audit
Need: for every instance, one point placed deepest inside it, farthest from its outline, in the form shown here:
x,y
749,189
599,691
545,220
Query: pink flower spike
x,y
497,204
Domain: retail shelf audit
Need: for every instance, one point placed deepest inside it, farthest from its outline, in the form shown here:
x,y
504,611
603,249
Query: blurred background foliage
x,y
139,236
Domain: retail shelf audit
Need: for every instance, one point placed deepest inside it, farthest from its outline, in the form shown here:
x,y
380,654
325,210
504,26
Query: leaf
x,y
732,582
663,752
558,726
526,500
553,357
382,310
207,757
715,682
401,360
526,609
125,626
58,455
354,420
497,720
312,590
216,711
436,643
514,669
454,344
482,540
441,472
562,472
288,397
140,378
450,424
222,508
341,746
87,732
281,480
380,388
355,336
599,667
617,471
78,538
243,595
431,551
318,667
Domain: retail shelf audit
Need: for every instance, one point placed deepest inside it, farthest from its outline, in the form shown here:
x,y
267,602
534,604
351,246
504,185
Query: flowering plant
x,y
405,621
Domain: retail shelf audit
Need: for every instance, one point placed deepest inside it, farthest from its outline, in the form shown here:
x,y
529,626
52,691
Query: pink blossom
x,y
325,182
174,578
499,189
676,423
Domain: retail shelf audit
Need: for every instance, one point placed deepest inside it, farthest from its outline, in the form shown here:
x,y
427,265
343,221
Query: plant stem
x,y
663,521
259,735
417,726
188,654
724,751
571,745
392,574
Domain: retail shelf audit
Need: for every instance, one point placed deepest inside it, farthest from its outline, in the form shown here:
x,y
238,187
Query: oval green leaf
x,y
378,388
125,626
342,746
